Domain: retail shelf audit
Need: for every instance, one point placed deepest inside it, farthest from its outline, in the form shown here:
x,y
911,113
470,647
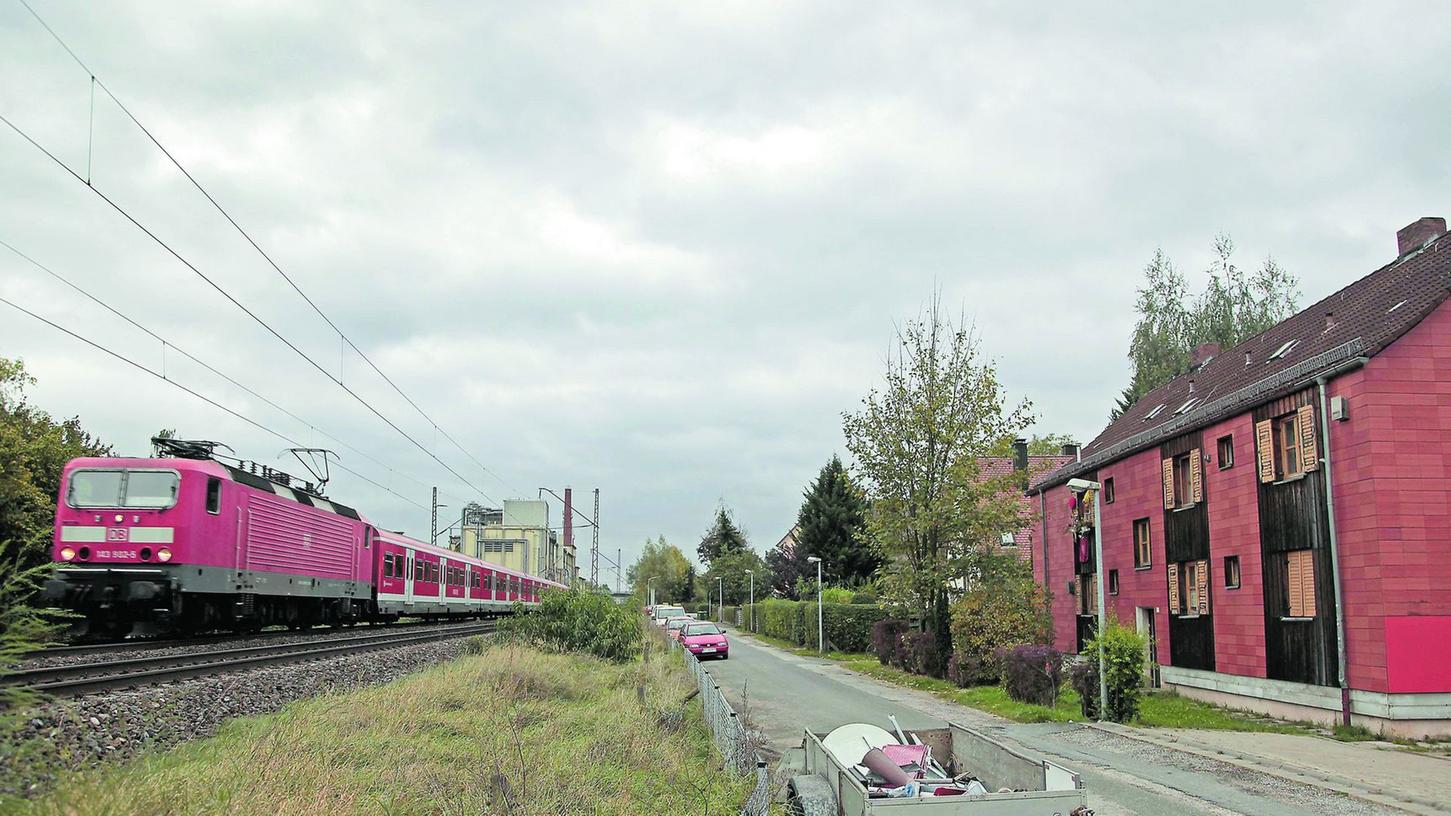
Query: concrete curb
x,y
1289,772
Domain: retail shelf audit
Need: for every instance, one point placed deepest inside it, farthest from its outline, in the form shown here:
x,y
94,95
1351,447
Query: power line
x,y
157,374
227,215
168,344
189,265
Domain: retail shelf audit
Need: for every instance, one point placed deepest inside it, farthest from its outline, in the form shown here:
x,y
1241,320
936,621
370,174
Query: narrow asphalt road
x,y
783,694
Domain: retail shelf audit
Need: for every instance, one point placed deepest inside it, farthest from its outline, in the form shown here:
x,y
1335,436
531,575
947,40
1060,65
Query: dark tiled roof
x,y
1369,315
1037,465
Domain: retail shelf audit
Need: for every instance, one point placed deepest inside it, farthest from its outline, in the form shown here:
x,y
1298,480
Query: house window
x,y
1182,482
1189,588
1088,594
1143,555
1299,583
1113,582
1108,490
1231,572
1009,540
1288,463
1226,452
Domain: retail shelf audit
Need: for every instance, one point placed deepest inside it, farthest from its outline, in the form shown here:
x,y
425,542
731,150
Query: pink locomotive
x,y
188,543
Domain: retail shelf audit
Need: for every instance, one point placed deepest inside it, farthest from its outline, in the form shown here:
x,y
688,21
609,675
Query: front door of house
x,y
1145,621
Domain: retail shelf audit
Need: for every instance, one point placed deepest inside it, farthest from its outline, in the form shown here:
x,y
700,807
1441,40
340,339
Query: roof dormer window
x,y
1283,350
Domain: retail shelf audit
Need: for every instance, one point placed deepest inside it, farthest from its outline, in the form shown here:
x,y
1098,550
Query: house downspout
x,y
1043,522
1342,660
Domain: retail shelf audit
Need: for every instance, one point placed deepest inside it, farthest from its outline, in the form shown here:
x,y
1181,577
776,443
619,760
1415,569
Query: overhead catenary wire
x,y
204,398
97,82
264,324
165,343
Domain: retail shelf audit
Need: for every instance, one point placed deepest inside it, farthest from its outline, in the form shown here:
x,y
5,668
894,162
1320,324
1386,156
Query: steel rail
x,y
143,644
88,678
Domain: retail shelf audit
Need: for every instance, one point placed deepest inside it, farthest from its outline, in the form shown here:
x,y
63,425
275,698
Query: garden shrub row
x,y
848,626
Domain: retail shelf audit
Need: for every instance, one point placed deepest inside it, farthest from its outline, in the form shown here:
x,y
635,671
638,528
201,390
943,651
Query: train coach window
x,y
214,495
387,565
418,570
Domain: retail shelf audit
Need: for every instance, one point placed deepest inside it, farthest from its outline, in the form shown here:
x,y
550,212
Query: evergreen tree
x,y
723,537
832,527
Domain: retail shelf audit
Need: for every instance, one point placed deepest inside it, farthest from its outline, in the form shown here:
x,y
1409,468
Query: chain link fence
x,y
737,742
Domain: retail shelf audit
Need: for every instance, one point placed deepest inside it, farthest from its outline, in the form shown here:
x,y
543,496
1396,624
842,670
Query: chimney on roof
x,y
1191,386
1204,352
1020,454
1071,449
1418,232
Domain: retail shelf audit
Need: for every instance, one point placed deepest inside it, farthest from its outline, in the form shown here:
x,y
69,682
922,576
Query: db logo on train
x,y
118,534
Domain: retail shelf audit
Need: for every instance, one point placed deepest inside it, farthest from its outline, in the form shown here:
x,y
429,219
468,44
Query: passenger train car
x,y
194,544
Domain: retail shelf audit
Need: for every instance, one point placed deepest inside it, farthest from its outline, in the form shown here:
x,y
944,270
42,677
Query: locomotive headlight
x,y
67,554
120,518
163,554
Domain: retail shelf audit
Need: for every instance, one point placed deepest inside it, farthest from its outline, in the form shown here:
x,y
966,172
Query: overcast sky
x,y
659,248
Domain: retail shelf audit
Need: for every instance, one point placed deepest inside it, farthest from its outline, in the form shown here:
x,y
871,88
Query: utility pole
x,y
594,550
619,582
433,526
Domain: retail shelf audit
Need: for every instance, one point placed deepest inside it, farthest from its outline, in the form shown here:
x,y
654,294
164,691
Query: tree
x,y
688,590
917,443
732,568
1232,308
667,565
34,449
832,526
723,536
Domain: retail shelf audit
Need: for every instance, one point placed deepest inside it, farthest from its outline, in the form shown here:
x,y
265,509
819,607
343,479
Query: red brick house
x,y
1279,518
1020,542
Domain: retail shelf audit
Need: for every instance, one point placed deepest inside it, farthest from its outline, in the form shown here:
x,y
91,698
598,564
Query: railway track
x,y
145,644
86,678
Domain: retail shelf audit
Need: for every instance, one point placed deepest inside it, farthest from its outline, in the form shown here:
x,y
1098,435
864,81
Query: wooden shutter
x,y
1265,439
1168,484
1309,459
1173,589
1300,575
1202,570
1196,476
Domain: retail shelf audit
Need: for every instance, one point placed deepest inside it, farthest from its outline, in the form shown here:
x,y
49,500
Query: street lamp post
x,y
720,598
820,629
751,627
1081,486
650,589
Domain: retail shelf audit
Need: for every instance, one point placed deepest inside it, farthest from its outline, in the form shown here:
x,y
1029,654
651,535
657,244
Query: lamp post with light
x,y
820,629
1080,487
720,598
650,589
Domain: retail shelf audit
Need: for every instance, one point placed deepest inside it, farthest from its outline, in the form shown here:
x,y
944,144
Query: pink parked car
x,y
705,640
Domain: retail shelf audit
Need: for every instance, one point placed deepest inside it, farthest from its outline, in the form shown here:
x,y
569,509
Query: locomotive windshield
x,y
131,489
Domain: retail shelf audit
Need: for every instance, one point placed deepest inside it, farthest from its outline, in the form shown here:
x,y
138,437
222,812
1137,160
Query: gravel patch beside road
x,y
87,731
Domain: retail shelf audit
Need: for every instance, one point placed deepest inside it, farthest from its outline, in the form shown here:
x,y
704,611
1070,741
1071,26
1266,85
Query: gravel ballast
x,y
87,731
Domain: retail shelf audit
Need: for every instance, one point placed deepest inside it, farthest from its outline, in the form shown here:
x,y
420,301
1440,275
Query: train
x,y
184,542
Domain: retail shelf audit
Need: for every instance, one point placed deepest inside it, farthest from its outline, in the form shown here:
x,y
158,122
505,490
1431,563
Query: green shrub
x,y
578,621
992,617
848,626
1123,655
834,595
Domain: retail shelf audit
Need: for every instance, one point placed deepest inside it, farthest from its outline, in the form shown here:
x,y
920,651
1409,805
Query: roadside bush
x,y
833,595
922,655
865,595
1032,674
1084,677
848,626
965,670
886,639
1123,654
995,616
579,621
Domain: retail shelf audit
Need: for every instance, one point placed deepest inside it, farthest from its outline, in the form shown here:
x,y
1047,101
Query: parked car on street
x,y
674,625
664,613
705,640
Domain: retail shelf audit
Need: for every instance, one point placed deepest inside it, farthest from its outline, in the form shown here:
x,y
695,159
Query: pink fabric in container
x,y
906,754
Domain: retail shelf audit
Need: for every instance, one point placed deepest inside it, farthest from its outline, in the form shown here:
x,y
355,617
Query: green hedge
x,y
848,626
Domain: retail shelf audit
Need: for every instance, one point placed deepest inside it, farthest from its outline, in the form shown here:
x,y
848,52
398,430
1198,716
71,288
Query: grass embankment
x,y
510,731
1157,710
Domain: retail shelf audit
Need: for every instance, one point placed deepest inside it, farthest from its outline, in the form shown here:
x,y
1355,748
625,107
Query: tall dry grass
x,y
509,731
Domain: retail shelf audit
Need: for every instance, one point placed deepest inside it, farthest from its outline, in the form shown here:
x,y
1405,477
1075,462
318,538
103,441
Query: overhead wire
x,y
250,240
204,398
173,346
